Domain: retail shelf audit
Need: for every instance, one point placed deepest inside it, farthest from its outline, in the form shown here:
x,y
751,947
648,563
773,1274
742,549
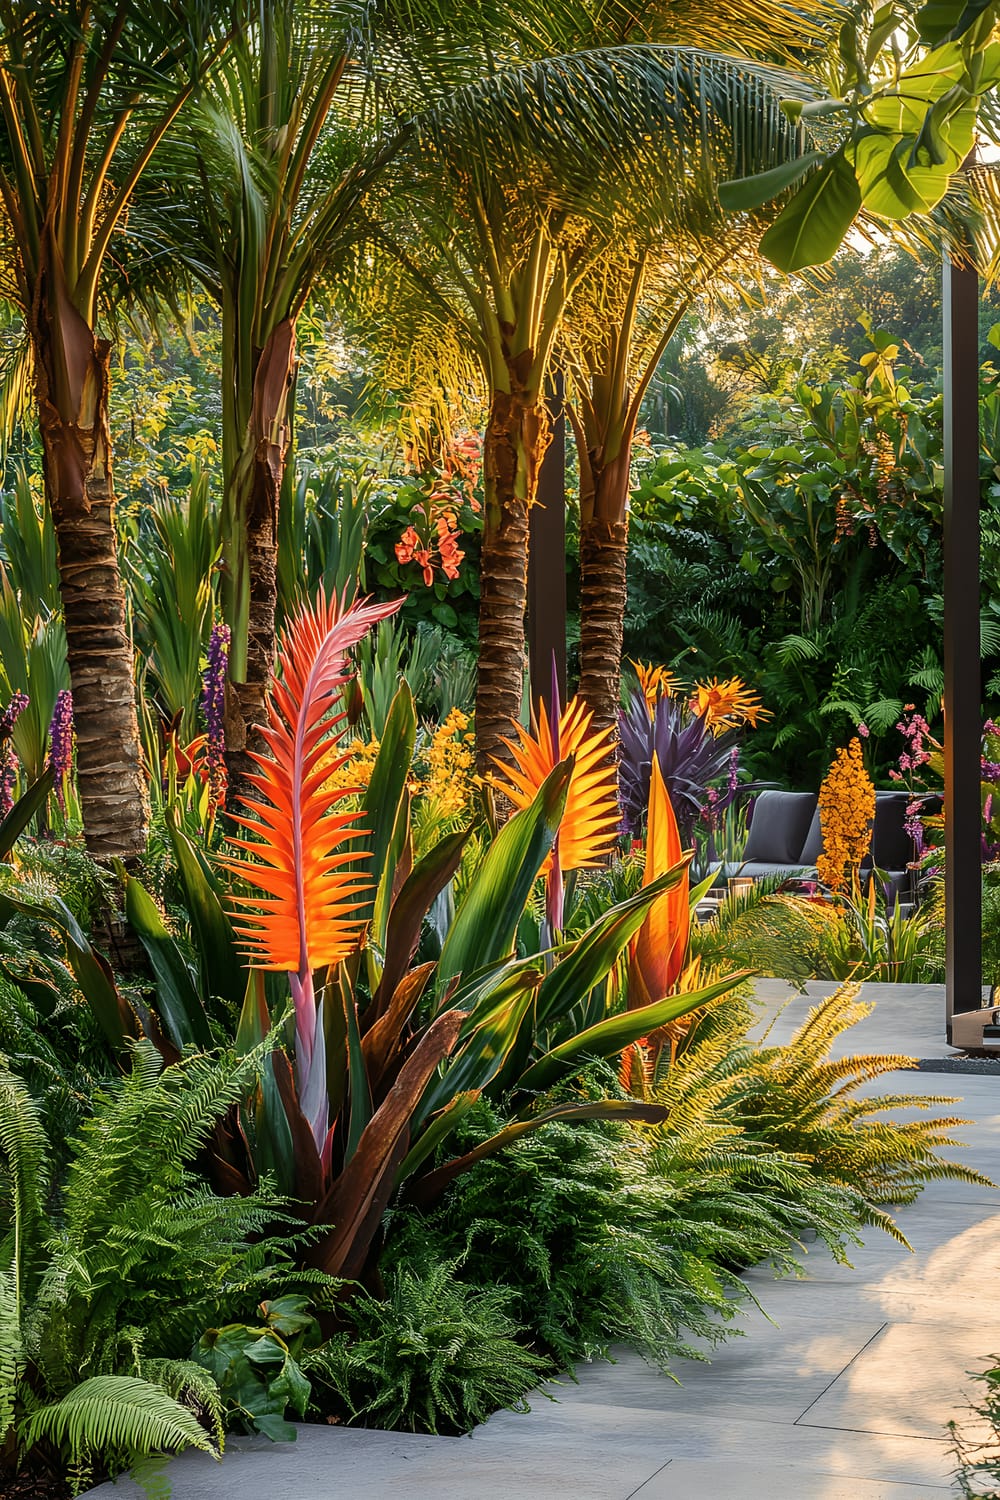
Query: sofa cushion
x,y
813,846
892,847
779,827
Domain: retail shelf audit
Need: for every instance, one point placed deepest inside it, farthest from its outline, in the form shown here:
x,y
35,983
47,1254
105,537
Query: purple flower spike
x,y
213,702
8,765
61,744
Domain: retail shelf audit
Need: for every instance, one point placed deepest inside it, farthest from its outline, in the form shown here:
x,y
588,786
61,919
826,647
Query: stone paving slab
x,y
691,1477
844,1396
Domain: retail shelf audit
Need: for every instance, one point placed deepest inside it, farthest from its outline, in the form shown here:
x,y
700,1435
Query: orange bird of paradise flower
x,y
590,822
727,704
591,817
655,682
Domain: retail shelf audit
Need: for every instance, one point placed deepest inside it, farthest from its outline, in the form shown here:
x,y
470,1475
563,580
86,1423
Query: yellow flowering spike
x,y
656,682
590,822
846,814
727,704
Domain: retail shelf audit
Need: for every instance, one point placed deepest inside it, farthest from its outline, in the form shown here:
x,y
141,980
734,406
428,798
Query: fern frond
x,y
10,1349
116,1413
193,1386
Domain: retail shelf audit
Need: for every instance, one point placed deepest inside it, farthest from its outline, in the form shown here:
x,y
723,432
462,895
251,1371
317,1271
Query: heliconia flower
x,y
213,702
658,952
60,758
727,704
8,763
302,910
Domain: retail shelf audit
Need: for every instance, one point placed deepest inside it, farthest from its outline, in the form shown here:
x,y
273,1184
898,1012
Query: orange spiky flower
x,y
656,682
591,818
727,704
659,949
301,914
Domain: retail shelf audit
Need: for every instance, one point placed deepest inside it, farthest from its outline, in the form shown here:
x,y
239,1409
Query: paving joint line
x,y
648,1480
867,1345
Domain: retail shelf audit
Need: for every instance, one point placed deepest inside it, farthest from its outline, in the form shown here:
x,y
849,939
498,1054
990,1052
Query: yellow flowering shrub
x,y
356,772
846,813
446,768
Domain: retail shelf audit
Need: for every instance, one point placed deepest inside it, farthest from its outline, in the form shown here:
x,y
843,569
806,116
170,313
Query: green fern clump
x,y
595,1247
800,1101
770,934
110,1270
435,1355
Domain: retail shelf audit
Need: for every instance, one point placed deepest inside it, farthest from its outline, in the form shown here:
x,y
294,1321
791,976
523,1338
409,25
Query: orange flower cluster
x,y
723,705
727,705
656,682
411,547
846,813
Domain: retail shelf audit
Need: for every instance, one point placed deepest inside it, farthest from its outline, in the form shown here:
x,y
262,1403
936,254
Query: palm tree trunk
x,y
71,383
516,439
251,550
603,557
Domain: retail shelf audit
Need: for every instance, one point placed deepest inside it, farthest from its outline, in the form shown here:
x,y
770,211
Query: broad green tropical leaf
x,y
177,1002
616,1033
484,927
27,805
813,224
592,957
745,193
223,971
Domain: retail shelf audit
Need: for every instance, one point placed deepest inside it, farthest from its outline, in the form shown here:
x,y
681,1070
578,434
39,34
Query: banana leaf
x,y
484,927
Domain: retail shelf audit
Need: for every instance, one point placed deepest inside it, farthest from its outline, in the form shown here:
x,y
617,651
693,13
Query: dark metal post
x,y
962,686
547,562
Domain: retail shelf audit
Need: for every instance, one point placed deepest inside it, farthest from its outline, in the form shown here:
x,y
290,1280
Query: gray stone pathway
x,y
843,1395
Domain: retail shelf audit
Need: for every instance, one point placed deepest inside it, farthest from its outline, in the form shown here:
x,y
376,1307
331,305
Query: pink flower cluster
x,y
914,730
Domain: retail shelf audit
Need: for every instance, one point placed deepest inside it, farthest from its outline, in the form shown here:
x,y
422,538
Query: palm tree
x,y
520,182
87,93
615,335
272,172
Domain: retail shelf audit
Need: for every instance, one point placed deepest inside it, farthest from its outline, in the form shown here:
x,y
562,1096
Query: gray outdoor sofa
x,y
785,838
